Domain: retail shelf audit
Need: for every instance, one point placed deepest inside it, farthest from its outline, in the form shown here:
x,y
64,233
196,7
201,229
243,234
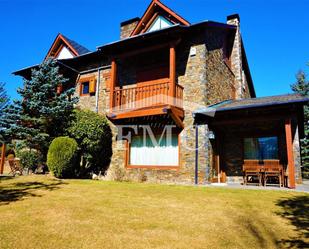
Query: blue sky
x,y
275,32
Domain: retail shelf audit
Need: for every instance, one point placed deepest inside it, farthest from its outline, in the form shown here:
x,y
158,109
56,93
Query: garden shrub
x,y
62,157
94,137
30,159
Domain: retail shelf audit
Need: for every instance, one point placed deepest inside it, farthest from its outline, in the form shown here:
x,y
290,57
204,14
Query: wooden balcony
x,y
158,98
155,96
146,96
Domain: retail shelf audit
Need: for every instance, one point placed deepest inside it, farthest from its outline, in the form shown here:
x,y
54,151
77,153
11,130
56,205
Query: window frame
x,y
81,88
258,137
157,167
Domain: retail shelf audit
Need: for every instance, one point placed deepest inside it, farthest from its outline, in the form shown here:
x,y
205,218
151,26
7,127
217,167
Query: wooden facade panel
x,y
290,156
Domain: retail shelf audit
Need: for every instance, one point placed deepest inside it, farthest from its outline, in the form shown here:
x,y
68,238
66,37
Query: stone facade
x,y
127,27
206,80
237,63
297,156
220,78
89,102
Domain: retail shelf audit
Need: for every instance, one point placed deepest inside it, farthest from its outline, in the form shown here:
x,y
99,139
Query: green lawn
x,y
41,212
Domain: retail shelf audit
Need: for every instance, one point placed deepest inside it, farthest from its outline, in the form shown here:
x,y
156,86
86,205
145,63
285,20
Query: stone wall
x,y
237,57
220,78
89,102
297,155
206,79
201,87
127,27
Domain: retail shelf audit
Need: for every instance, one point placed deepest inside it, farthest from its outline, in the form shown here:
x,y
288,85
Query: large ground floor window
x,y
154,151
261,148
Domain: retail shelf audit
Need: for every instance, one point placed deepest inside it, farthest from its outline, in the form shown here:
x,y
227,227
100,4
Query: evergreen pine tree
x,y
4,100
42,114
301,86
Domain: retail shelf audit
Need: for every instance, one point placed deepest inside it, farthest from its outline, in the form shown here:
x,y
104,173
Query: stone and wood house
x,y
195,78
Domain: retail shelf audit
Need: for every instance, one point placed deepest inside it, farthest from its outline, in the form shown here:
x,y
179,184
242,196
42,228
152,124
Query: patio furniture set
x,y
266,172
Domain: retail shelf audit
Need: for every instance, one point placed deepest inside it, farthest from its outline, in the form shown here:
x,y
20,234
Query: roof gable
x,y
157,10
64,47
64,54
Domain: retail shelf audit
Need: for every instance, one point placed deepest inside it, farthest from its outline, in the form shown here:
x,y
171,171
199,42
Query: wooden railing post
x,y
290,156
172,73
113,84
2,158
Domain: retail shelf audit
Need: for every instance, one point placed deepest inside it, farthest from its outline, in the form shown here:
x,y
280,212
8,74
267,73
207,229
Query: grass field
x,y
42,212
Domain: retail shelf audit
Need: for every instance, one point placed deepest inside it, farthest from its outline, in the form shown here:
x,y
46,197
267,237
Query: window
x,y
159,23
88,87
85,88
153,151
261,148
107,79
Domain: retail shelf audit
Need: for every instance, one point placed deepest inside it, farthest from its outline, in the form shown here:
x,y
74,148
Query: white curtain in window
x,y
147,153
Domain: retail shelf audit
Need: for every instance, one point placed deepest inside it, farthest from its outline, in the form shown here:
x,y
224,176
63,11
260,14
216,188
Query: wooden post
x,y
218,159
112,84
2,158
196,155
290,156
172,74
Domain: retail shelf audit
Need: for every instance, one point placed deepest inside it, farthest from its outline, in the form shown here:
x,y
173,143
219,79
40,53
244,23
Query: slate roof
x,y
79,48
230,105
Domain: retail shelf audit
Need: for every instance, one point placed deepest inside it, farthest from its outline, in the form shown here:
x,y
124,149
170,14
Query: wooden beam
x,y
217,157
179,112
176,118
112,84
290,156
142,50
196,156
249,119
2,158
172,89
138,113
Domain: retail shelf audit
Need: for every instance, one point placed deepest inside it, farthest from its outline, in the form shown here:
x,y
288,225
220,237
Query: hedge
x,y
62,157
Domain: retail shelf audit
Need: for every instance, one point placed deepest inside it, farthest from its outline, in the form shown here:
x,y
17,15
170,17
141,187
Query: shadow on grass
x,y
17,191
296,210
2,178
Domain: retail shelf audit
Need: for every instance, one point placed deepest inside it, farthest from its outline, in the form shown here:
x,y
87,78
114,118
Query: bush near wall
x,y
94,137
30,159
62,157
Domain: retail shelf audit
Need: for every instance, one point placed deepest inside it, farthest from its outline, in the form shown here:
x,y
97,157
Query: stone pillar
x,y
236,56
290,152
297,157
127,27
194,81
116,170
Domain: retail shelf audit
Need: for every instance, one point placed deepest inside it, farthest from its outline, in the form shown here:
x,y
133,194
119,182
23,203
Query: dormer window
x,y
64,53
159,23
157,17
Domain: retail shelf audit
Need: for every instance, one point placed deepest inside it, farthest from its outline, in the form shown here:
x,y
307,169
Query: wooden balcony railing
x,y
146,96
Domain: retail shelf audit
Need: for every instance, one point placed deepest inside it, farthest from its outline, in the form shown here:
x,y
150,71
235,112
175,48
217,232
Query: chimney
x,y
236,56
127,27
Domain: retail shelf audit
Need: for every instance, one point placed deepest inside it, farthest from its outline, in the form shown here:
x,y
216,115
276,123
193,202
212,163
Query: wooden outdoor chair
x,y
273,169
15,167
251,168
